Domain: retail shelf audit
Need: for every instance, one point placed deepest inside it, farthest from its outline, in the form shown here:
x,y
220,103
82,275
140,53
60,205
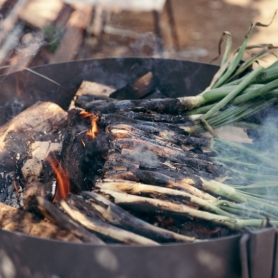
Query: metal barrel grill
x,y
247,254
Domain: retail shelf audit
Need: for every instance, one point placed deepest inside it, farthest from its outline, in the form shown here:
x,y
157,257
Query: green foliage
x,y
53,35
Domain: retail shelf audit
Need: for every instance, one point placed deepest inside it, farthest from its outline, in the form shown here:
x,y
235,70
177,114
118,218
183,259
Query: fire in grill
x,y
227,252
128,169
153,176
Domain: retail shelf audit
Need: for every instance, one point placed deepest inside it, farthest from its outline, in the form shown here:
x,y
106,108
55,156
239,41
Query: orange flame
x,y
94,128
63,183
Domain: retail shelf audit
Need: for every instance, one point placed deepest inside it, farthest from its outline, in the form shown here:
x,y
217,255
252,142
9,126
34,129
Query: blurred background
x,y
37,32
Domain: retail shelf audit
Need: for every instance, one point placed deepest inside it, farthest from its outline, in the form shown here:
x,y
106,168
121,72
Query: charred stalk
x,y
105,229
121,218
152,205
57,217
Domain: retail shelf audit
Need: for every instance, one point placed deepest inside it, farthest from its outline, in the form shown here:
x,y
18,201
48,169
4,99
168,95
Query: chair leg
x,y
157,31
172,25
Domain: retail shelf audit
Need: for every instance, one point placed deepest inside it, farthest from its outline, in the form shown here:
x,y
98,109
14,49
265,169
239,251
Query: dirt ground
x,y
200,24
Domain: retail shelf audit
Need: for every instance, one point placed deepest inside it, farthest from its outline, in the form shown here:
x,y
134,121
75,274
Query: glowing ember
x,y
94,128
63,183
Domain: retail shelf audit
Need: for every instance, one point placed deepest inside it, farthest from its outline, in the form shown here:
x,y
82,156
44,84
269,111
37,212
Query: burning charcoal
x,y
121,218
16,220
139,88
57,217
103,228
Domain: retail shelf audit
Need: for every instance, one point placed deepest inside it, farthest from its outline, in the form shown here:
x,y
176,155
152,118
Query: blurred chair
x,y
156,7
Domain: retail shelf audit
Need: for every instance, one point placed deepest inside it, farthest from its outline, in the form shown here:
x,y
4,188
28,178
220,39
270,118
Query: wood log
x,y
73,34
42,122
91,88
26,51
139,88
60,219
34,170
10,43
103,228
121,218
46,11
11,20
16,220
96,99
82,157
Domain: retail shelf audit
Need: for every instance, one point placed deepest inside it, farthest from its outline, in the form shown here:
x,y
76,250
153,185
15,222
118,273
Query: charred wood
x,y
36,172
187,140
40,125
139,88
41,122
94,99
81,156
91,89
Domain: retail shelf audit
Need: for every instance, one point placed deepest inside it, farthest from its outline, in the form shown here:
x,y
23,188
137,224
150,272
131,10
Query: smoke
x,y
146,43
145,157
266,138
